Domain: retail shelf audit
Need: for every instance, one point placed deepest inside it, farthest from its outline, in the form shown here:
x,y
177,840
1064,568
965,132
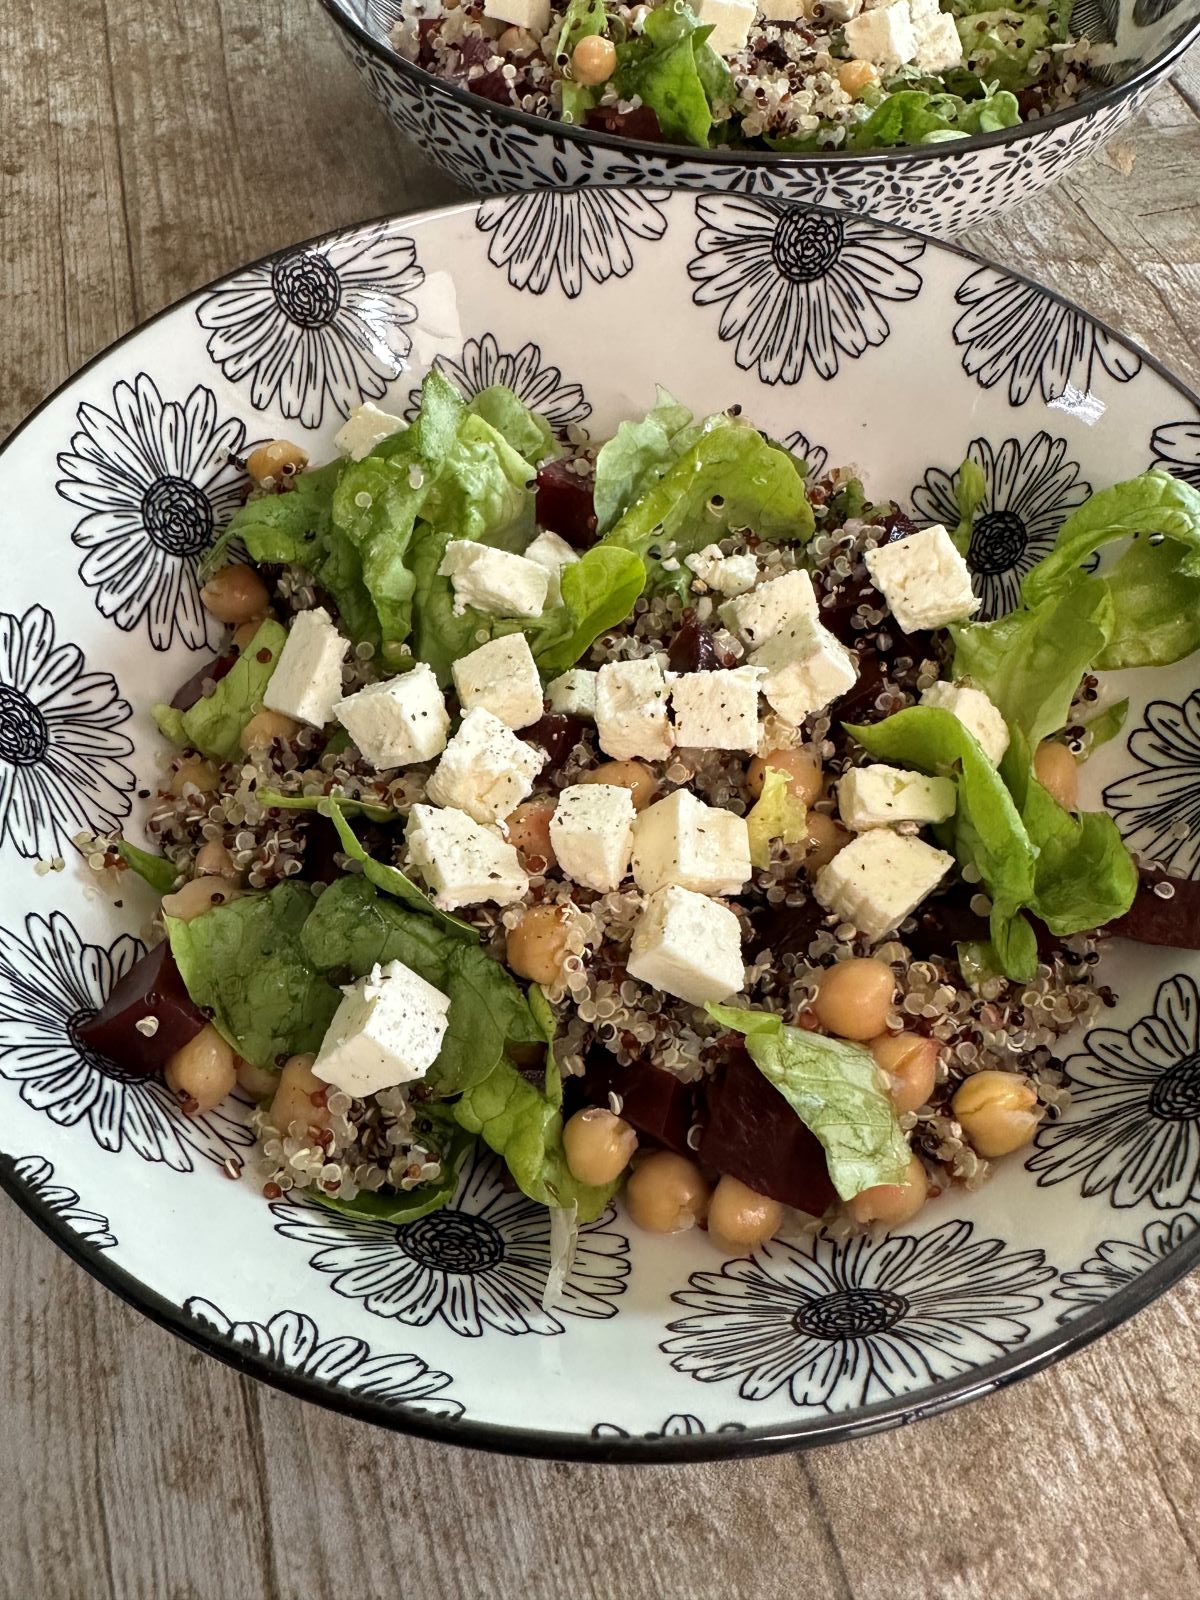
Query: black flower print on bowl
x,y
539,384
1176,448
1096,20
61,767
293,1340
37,1174
1147,12
841,1325
1015,333
319,325
798,287
479,1263
1157,807
51,982
1031,490
158,479
572,237
1133,1129
679,1425
1119,1262
815,456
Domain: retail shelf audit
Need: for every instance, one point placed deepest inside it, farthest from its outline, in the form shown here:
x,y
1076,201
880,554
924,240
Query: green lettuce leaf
x,y
161,874
529,434
375,508
970,489
836,1090
213,726
915,116
1001,43
394,882
635,457
598,592
776,814
1107,724
440,637
675,71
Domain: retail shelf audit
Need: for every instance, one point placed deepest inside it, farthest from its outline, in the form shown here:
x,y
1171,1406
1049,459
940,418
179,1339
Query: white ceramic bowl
x,y
664,1349
943,188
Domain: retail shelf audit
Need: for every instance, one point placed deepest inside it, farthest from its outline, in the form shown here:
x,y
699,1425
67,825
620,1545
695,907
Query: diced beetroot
x,y
187,694
1153,919
898,524
555,733
784,929
492,86
654,1102
640,123
565,504
753,1134
693,649
151,990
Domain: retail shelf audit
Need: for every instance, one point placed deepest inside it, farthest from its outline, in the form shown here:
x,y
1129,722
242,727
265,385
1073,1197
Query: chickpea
x,y
998,1112
855,76
909,1062
802,766
194,773
235,594
854,997
739,1217
631,775
300,1098
202,1072
213,860
893,1204
529,829
598,1145
197,897
276,462
825,838
594,60
666,1193
516,42
1056,770
243,634
258,1082
535,948
264,727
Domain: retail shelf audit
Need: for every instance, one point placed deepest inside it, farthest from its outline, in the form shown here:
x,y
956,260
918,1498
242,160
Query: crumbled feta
x,y
924,580
399,721
592,833
494,580
939,46
730,21
463,862
770,607
307,679
501,676
804,669
552,553
880,878
631,710
485,770
726,574
717,710
532,15
687,945
878,796
885,36
387,1030
976,713
364,428
573,693
681,840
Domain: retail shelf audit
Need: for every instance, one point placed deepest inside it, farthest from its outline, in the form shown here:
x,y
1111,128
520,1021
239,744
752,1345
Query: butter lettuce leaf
x,y
161,874
673,69
528,433
213,726
776,814
916,116
636,456
598,592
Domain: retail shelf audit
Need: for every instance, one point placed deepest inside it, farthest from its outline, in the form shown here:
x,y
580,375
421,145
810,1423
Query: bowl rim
x,y
1111,95
772,1438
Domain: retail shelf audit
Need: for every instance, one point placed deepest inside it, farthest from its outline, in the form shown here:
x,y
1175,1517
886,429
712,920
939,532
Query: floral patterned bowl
x,y
943,188
661,1349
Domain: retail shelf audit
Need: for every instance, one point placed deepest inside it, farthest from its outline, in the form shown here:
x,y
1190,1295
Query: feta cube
x,y
631,710
924,580
726,574
533,15
878,796
781,10
573,693
880,878
804,669
485,770
762,612
885,36
730,21
463,862
700,847
939,46
399,721
687,945
307,679
387,1030
552,553
717,710
592,834
501,676
494,580
976,713
364,428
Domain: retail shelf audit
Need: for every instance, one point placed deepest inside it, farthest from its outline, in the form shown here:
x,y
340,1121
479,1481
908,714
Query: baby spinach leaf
x,y
158,872
213,726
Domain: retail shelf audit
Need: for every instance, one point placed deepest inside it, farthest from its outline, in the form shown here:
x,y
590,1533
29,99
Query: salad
x,y
651,812
788,75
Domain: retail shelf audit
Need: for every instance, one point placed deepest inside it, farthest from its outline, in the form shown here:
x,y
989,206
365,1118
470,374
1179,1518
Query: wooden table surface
x,y
145,149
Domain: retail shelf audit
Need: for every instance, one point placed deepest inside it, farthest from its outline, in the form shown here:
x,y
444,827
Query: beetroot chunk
x,y
187,694
555,733
151,990
656,1103
693,649
640,123
565,504
753,1134
1172,919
